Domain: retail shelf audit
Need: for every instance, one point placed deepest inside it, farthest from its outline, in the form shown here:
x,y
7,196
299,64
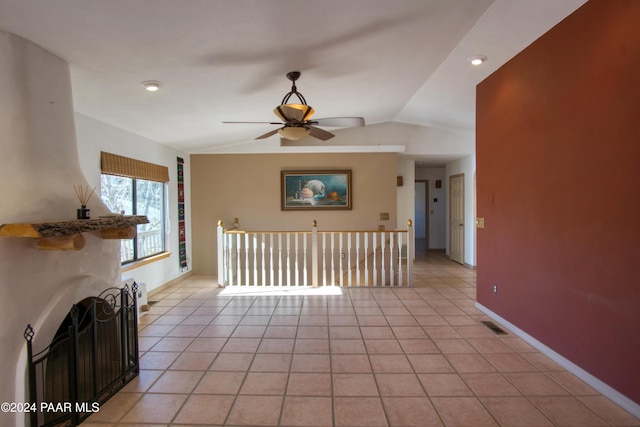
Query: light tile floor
x,y
366,357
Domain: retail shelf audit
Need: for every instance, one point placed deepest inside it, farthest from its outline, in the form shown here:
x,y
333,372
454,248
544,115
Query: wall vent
x,y
494,328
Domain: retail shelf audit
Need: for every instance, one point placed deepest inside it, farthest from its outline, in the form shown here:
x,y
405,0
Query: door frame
x,y
426,210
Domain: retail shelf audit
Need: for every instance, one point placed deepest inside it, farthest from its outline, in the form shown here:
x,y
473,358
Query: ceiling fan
x,y
296,118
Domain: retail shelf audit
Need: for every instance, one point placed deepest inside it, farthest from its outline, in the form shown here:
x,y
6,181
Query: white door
x,y
456,218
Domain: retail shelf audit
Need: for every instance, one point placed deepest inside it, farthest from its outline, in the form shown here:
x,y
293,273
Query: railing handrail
x,y
234,231
237,231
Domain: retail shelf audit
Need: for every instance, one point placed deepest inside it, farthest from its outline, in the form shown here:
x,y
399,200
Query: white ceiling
x,y
402,61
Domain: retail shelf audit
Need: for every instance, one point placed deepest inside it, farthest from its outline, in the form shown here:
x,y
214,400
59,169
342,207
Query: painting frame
x,y
302,190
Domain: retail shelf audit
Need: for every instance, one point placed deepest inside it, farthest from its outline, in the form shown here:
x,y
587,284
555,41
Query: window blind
x,y
112,164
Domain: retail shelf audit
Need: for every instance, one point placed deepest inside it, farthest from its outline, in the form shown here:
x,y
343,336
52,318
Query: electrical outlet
x,y
495,288
343,255
381,228
384,216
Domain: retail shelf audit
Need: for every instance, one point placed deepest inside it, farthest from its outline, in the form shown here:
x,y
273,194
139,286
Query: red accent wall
x,y
558,183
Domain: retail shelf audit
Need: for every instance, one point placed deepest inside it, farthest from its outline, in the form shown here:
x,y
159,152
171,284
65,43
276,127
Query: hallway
x,y
356,357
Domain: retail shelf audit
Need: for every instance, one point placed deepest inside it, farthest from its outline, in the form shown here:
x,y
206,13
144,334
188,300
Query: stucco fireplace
x,y
37,178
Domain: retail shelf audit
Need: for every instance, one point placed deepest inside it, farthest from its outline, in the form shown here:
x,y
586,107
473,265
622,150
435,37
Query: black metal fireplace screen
x,y
93,355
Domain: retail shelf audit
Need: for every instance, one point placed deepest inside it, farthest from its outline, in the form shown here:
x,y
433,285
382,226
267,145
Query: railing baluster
x,y
400,281
296,239
230,265
375,261
288,271
280,283
246,260
383,280
227,261
366,259
314,255
392,236
271,259
357,258
262,259
238,260
253,238
340,263
324,259
305,277
349,272
333,259
410,249
233,248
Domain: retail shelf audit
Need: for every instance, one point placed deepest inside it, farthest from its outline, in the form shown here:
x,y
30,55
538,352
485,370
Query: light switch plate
x,y
384,216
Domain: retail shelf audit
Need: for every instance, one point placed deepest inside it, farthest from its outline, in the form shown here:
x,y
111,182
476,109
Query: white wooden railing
x,y
314,258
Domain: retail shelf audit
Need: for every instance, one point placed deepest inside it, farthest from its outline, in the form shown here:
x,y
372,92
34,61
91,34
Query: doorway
x,y
422,214
456,218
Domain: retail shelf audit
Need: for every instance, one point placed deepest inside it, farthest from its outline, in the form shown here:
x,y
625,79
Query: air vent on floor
x,y
495,328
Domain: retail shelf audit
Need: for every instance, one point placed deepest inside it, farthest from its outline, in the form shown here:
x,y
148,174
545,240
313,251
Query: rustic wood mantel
x,y
66,235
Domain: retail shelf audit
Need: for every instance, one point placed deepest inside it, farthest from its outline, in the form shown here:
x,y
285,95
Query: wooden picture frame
x,y
315,190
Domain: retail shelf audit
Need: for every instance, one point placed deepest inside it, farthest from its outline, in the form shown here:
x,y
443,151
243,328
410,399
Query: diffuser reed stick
x,y
83,194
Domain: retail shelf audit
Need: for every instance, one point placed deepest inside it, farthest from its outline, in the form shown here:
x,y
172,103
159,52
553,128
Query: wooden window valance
x,y
112,164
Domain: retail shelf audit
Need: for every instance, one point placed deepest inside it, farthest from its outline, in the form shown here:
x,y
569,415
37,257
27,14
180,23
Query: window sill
x,y
145,261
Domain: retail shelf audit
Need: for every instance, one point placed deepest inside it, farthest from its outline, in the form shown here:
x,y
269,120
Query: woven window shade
x,y
112,164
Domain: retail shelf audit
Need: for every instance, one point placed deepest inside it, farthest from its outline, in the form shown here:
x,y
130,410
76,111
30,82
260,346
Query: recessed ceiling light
x,y
151,85
477,60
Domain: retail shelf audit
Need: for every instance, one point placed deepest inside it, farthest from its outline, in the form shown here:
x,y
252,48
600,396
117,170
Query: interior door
x,y
456,218
421,225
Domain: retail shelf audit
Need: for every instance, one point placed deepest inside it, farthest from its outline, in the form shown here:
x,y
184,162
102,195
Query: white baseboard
x,y
606,390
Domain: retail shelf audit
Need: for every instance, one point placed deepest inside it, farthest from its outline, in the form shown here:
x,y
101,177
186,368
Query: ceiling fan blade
x,y
320,133
268,134
260,123
342,122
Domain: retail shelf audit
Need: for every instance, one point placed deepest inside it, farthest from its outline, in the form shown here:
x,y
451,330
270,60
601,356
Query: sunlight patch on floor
x,y
281,290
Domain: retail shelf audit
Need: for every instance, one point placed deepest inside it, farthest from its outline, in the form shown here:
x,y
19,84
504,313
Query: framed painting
x,y
315,190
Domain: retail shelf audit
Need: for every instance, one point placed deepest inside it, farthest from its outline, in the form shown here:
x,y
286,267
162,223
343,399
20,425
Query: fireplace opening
x,y
93,354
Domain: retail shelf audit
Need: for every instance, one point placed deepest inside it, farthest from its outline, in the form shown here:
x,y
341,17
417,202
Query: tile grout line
x,y
449,287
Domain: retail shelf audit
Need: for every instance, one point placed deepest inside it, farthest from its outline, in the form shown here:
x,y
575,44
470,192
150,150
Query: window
x,y
125,188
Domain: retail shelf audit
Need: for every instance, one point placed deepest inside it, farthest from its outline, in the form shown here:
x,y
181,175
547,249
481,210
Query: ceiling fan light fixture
x,y
294,112
293,133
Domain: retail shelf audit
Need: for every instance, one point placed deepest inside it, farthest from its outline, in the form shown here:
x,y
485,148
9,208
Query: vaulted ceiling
x,y
401,64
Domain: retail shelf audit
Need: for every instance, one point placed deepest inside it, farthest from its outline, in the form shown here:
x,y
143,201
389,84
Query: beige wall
x,y
247,186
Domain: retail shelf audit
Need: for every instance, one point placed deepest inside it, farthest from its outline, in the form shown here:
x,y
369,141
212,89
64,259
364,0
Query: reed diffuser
x,y
83,196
